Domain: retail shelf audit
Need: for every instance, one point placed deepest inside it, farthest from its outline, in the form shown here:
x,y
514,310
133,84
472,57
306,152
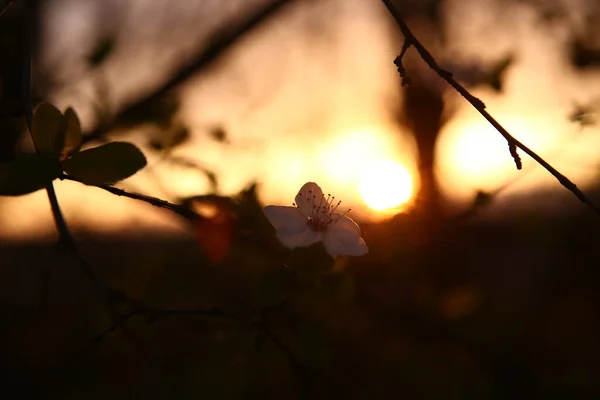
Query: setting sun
x,y
385,184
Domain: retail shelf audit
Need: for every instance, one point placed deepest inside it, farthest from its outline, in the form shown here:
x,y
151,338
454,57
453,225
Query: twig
x,y
66,240
59,220
259,325
185,212
108,293
513,144
152,313
220,43
5,6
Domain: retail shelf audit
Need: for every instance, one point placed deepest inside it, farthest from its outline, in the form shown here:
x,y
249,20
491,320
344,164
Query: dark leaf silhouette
x,y
497,72
104,48
219,134
48,130
72,134
27,174
178,136
105,165
583,115
584,55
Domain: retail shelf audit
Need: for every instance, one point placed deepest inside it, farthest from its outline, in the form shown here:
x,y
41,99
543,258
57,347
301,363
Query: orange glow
x,y
325,113
385,184
474,156
365,168
347,156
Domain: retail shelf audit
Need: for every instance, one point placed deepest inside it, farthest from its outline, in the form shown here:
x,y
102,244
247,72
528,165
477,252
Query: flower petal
x,y
309,196
302,238
343,238
285,216
336,248
291,226
344,226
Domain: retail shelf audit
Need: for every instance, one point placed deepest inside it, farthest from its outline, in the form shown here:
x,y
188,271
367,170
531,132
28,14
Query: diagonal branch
x,y
221,42
513,143
5,5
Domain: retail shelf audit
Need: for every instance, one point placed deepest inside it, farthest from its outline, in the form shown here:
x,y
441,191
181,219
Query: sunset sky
x,y
310,97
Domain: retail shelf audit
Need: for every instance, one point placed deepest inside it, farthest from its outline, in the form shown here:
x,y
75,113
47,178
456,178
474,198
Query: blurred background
x,y
480,281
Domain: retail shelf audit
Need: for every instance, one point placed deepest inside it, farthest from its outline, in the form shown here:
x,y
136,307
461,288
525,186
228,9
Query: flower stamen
x,y
316,217
321,213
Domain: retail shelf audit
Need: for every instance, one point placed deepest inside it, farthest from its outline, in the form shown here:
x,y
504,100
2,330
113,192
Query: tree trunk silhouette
x,y
422,112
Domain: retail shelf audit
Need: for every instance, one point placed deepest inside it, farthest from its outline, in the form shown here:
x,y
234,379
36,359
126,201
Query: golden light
x,y
347,155
474,156
385,184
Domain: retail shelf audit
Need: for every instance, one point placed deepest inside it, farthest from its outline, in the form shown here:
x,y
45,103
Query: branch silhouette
x,y
66,240
154,313
5,5
65,237
221,41
108,294
184,211
261,325
140,309
513,143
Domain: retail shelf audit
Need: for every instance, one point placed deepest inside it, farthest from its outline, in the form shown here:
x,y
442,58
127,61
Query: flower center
x,y
320,211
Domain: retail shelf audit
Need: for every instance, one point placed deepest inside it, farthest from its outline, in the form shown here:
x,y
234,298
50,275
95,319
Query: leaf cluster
x,y
57,138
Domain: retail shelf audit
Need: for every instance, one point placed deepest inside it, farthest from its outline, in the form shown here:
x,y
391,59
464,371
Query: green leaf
x,y
72,134
48,130
26,174
105,165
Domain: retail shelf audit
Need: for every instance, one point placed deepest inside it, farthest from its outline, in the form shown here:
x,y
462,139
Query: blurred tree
x,y
13,39
398,345
220,42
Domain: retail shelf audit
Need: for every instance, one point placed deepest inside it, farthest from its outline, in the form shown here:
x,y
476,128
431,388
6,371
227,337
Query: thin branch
x,y
66,240
111,294
221,42
153,313
260,325
5,6
59,220
513,144
185,212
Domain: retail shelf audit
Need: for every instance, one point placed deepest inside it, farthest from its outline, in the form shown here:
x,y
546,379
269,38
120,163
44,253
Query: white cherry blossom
x,y
313,218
